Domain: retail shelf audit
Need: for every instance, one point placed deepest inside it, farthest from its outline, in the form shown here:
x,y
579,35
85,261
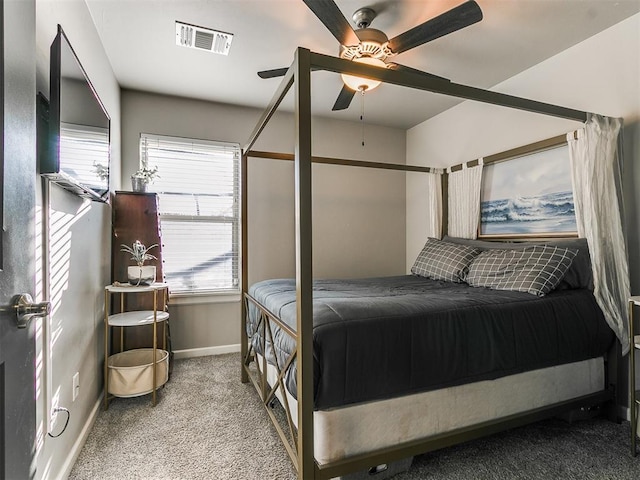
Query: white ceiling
x,y
139,38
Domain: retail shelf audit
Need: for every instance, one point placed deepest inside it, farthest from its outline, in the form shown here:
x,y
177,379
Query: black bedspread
x,y
384,337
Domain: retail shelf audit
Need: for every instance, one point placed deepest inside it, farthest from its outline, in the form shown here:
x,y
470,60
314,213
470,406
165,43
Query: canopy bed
x,y
322,348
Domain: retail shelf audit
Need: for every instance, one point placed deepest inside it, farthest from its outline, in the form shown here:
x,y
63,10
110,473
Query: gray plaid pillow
x,y
536,270
444,261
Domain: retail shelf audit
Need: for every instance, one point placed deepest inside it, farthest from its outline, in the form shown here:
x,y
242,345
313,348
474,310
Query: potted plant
x,y
101,171
143,177
140,274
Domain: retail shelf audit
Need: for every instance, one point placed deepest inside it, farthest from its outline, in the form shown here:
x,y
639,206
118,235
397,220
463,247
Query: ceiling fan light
x,y
359,83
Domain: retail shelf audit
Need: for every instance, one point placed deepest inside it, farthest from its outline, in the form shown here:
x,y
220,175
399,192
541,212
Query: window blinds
x,y
85,153
198,197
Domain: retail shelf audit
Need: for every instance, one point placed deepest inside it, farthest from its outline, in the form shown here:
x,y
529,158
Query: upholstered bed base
x,y
346,431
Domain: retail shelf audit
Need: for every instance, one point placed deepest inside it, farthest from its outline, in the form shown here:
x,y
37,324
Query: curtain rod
x,y
346,162
516,152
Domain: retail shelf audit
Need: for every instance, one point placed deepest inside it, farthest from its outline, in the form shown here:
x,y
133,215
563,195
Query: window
x,y
198,197
85,151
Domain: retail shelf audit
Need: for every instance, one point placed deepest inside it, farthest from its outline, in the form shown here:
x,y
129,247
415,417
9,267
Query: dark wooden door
x,y
17,272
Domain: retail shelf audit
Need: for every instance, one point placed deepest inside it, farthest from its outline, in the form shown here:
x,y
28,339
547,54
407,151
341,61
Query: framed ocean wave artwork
x,y
528,196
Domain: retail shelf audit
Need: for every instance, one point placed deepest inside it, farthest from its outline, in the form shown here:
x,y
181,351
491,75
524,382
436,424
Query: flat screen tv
x,y
79,155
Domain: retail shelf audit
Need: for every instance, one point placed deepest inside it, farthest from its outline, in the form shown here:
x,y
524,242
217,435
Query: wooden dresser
x,y
135,217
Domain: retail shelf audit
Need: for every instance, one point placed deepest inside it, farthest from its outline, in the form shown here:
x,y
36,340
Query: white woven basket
x,y
131,372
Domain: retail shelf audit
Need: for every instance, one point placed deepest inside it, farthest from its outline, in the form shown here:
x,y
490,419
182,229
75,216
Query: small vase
x,y
138,184
141,276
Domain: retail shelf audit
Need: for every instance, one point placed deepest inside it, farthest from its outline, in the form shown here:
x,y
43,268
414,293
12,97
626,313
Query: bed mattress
x,y
386,337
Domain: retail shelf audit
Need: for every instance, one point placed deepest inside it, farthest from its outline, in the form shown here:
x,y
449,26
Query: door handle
x,y
26,310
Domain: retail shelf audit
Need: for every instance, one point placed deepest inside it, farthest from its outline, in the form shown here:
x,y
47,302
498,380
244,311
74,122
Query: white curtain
x,y
595,164
464,201
434,203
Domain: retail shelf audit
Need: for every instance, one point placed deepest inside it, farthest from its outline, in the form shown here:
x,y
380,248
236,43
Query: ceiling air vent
x,y
202,38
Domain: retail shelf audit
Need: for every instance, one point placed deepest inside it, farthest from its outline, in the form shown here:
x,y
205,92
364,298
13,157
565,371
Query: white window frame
x,y
214,295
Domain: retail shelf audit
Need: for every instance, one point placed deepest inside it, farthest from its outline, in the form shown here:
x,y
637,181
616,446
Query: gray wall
x,y
601,74
84,111
79,254
359,222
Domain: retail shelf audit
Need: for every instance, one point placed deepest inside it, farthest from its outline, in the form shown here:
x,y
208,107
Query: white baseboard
x,y
205,351
80,441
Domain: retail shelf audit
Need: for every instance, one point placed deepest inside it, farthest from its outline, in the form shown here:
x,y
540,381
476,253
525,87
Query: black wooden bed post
x,y
615,381
244,255
304,264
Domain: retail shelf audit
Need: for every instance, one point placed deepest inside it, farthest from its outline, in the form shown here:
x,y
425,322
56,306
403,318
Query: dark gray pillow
x,y
535,269
444,261
579,275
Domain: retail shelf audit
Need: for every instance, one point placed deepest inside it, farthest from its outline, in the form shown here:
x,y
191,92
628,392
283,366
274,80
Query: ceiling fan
x,y
371,46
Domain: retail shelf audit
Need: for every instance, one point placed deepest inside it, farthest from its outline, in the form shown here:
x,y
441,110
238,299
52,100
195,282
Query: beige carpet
x,y
208,425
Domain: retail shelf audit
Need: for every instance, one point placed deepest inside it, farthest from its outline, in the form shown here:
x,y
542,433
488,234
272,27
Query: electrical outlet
x,y
76,386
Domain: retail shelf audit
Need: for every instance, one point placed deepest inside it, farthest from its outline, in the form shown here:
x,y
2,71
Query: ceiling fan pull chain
x,y
362,113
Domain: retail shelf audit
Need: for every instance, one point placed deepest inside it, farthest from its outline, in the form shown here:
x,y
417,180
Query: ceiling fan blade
x,y
276,72
344,98
404,68
459,17
331,16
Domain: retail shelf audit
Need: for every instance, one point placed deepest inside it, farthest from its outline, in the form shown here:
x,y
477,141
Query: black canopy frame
x,y
298,76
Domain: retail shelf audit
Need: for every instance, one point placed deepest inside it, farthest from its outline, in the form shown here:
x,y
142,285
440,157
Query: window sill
x,y
204,298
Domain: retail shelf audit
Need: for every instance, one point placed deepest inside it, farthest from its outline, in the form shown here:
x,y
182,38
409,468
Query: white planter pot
x,y
145,275
138,184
